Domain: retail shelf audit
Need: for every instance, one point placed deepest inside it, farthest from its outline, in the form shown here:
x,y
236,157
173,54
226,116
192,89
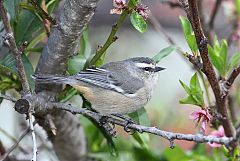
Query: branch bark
x,y
69,142
208,70
10,42
40,104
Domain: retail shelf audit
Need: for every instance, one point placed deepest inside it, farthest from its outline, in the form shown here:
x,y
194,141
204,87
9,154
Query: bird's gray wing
x,y
121,82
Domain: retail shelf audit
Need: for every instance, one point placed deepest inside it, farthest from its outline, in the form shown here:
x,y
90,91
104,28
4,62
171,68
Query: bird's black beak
x,y
157,69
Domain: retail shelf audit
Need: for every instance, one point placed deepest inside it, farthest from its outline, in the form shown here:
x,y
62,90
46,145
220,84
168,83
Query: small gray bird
x,y
119,87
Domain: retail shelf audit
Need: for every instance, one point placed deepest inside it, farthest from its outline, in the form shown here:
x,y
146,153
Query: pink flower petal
x,y
217,133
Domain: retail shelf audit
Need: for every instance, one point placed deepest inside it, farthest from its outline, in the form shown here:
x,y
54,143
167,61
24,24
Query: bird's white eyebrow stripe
x,y
143,65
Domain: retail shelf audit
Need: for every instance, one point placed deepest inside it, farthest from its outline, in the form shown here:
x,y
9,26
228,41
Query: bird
x,y
119,87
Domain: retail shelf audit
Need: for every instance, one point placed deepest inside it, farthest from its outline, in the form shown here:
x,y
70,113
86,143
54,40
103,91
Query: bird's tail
x,y
42,78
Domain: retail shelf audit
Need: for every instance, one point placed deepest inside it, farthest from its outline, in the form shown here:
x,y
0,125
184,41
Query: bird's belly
x,y
110,102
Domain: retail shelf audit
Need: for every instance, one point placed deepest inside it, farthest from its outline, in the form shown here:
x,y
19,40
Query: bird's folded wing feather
x,y
108,80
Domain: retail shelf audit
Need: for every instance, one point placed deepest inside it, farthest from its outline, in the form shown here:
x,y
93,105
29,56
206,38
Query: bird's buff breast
x,y
111,102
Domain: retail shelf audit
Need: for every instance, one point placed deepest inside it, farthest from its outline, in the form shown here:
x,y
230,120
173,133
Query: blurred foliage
x,y
219,57
28,26
28,29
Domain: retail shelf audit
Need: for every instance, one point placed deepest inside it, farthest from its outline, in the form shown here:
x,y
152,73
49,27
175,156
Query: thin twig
x,y
198,65
232,77
158,27
43,14
8,97
211,21
111,38
34,157
172,4
12,139
10,41
15,145
152,130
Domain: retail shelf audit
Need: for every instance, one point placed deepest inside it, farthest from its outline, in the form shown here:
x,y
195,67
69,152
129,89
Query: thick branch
x,y
10,41
208,68
69,142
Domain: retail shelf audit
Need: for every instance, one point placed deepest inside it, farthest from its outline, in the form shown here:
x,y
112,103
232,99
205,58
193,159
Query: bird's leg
x,y
128,122
107,126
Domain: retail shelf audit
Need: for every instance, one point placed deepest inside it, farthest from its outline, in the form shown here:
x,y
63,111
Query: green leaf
x,y
194,83
142,139
34,42
51,5
142,154
163,53
97,135
223,54
76,64
192,43
195,93
234,61
27,27
188,34
138,22
140,116
186,88
216,44
237,2
8,62
188,100
215,58
176,154
85,47
218,55
12,7
186,26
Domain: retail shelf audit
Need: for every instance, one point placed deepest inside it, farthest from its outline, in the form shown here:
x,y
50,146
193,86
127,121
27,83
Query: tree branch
x,y
208,70
10,41
232,77
41,105
12,139
111,38
172,4
211,21
69,142
15,145
6,97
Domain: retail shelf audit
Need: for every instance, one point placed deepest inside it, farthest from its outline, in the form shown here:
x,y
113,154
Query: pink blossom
x,y
143,10
217,133
119,5
203,117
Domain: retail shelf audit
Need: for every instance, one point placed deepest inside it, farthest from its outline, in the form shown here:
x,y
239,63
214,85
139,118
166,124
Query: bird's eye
x,y
148,69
